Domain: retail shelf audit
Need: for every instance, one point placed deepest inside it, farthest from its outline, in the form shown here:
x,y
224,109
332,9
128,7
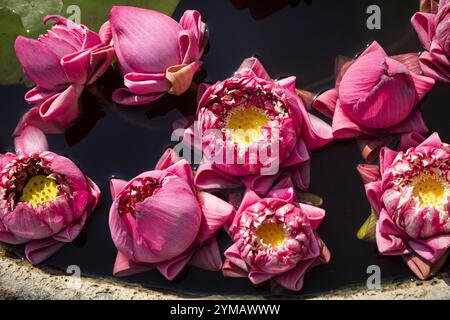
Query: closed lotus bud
x,y
156,54
160,219
376,95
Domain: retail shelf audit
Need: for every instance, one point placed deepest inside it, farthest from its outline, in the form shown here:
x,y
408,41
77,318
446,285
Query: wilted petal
x,y
180,77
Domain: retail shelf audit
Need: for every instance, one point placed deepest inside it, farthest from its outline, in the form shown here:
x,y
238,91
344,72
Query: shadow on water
x,y
290,38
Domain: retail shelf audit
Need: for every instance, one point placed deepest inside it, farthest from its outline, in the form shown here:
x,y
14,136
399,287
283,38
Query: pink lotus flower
x,y
45,199
433,29
376,95
159,219
61,63
262,124
156,54
410,193
275,239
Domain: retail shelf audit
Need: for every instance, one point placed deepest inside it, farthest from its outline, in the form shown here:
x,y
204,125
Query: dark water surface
x,y
300,38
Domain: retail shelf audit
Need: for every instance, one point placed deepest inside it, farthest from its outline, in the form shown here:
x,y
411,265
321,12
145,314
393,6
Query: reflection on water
x,y
120,141
261,9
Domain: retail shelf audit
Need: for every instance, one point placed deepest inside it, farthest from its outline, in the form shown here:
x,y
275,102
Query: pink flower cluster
x,y
410,192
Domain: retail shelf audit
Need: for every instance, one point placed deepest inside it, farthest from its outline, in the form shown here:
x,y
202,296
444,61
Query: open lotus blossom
x,y
433,29
252,130
410,194
156,54
159,219
45,199
376,95
61,63
275,239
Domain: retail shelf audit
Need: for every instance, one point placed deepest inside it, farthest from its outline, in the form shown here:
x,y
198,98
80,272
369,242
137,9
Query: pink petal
x,y
172,268
410,140
8,237
145,41
101,59
208,256
423,85
374,192
326,102
234,260
180,77
30,139
315,215
231,270
422,268
369,172
168,158
33,118
62,109
38,95
261,184
288,83
124,267
424,25
46,71
257,277
293,279
389,238
208,177
40,250
115,186
286,194
192,21
215,213
76,66
253,66
432,141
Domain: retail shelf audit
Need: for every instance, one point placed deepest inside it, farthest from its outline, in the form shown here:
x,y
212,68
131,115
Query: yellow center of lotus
x,y
39,190
430,190
271,233
244,124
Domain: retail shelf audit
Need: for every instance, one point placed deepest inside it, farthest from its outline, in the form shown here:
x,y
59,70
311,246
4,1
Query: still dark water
x,y
300,38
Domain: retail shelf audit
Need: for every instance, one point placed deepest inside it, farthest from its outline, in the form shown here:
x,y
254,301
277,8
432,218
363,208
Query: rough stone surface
x,y
19,280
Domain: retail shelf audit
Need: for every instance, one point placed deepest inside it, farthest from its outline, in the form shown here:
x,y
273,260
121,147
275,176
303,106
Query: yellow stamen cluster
x,y
271,233
430,190
39,190
244,124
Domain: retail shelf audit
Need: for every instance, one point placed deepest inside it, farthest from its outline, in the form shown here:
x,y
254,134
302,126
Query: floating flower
x,y
410,194
156,54
159,219
249,126
61,63
376,95
45,199
275,239
433,29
